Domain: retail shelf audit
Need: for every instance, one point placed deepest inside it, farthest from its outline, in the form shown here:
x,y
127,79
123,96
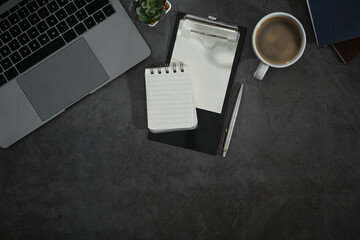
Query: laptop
x,y
54,53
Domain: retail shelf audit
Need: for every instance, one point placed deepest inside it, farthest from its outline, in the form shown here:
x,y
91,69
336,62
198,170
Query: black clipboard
x,y
208,136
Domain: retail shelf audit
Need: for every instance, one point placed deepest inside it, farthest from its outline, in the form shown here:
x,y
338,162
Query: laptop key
x,y
24,51
4,15
2,80
69,35
33,32
24,25
62,2
95,5
33,6
40,54
43,12
71,21
53,6
70,8
34,45
34,19
42,2
23,12
23,39
61,14
81,14
14,45
89,22
14,18
43,39
5,37
51,21
108,10
4,25
14,8
4,50
42,26
53,33
5,63
11,73
99,16
15,31
80,28
15,57
80,3
62,26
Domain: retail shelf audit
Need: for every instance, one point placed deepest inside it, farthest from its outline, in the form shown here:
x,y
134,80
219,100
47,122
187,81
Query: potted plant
x,y
151,11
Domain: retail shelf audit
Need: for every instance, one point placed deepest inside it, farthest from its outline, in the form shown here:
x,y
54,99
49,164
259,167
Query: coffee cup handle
x,y
261,71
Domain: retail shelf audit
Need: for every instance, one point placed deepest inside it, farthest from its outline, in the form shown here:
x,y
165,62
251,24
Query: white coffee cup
x,y
264,65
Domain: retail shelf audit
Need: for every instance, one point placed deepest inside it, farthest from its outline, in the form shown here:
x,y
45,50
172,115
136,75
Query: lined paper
x,y
170,102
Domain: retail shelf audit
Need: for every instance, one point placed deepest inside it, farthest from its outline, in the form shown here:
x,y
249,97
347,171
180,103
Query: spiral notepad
x,y
169,97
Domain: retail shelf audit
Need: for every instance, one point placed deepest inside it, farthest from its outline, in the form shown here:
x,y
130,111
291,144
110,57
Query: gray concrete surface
x,y
292,172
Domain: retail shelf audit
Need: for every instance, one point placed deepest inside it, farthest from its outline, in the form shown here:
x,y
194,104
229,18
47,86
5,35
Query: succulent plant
x,y
149,11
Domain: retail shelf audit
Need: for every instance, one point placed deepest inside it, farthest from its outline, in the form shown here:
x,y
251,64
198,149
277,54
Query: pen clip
x,y
223,140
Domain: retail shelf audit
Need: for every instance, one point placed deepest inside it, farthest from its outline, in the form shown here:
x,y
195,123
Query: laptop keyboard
x,y
32,30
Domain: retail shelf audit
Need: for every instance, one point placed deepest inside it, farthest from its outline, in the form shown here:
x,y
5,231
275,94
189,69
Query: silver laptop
x,y
55,52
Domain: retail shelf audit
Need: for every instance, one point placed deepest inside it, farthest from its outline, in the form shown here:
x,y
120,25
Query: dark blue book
x,y
334,20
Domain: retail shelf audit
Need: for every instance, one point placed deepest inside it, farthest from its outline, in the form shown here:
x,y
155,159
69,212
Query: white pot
x,y
153,25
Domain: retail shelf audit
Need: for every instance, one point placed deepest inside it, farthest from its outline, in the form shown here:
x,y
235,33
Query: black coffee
x,y
278,40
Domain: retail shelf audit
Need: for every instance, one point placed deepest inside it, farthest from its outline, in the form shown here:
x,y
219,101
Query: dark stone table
x,y
292,171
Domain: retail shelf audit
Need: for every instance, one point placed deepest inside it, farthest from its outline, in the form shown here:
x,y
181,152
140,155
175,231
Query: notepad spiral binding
x,y
173,68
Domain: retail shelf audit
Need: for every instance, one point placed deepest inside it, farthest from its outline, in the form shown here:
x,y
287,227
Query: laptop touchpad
x,y
63,79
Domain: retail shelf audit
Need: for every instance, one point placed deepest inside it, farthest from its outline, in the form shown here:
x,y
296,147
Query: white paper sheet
x,y
211,61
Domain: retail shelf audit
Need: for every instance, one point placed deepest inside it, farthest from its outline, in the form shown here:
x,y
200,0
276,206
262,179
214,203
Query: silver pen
x,y
232,121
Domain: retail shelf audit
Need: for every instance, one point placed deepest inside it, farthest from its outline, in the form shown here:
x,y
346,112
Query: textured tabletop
x,y
292,171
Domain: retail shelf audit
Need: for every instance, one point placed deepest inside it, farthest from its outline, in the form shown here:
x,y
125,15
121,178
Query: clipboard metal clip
x,y
212,21
212,18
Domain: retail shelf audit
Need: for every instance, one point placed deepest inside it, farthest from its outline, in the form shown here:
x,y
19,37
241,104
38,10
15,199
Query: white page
x,y
169,97
211,61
